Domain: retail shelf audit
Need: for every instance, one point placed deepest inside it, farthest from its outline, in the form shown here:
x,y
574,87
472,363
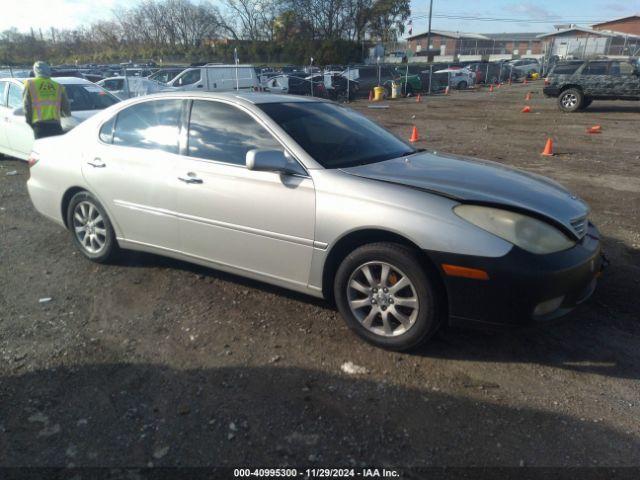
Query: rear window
x,y
565,69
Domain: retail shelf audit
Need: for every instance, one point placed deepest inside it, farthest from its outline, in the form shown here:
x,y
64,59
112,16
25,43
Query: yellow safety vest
x,y
46,99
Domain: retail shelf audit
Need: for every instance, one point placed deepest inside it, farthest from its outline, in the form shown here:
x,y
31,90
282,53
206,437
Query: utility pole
x,y
429,30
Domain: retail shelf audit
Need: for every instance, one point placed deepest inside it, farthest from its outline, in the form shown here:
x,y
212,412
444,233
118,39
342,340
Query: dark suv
x,y
578,83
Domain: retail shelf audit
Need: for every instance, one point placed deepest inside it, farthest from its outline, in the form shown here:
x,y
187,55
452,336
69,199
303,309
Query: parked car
x,y
526,66
578,83
459,78
129,87
276,83
301,85
216,78
165,75
369,76
16,135
312,196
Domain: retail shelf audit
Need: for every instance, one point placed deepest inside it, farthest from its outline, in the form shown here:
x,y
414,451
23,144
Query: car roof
x,y
250,97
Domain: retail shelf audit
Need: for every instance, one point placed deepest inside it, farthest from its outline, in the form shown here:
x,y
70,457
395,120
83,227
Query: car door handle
x,y
199,86
97,163
190,179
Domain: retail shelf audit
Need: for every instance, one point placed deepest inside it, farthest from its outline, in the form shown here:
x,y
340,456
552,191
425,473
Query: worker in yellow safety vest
x,y
45,102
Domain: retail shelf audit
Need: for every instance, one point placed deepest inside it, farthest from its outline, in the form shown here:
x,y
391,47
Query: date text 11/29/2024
x,y
315,473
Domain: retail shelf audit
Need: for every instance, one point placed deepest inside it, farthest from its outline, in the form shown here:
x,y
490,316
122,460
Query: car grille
x,y
580,225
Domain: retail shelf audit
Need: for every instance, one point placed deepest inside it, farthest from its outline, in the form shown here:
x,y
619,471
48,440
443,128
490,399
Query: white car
x,y
459,78
130,87
16,135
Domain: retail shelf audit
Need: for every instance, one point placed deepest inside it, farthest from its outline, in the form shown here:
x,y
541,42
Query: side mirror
x,y
263,160
18,112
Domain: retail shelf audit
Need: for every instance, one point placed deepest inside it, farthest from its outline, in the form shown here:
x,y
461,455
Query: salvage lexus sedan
x,y
312,196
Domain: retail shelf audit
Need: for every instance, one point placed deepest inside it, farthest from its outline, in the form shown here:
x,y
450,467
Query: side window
x,y
621,69
15,96
3,90
220,132
565,69
152,125
189,78
595,68
106,131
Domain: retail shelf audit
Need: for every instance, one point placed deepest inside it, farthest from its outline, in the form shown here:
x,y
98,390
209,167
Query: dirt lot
x,y
156,362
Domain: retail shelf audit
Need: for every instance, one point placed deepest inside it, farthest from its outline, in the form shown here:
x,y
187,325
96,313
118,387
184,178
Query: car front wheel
x,y
91,228
386,296
570,100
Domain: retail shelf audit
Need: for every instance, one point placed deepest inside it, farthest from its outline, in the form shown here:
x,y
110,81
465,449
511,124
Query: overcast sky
x,y
506,15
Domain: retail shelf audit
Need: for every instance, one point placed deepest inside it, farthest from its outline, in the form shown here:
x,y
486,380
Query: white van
x,y
216,78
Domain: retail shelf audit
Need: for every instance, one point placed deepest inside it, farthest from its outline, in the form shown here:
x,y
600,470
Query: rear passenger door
x,y
132,171
593,79
624,80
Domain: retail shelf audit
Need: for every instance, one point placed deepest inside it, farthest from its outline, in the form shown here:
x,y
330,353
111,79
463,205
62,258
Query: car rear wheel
x,y
91,228
570,100
386,297
462,85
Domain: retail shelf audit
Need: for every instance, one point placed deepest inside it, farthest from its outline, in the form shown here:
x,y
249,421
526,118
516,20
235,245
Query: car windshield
x,y
335,136
88,97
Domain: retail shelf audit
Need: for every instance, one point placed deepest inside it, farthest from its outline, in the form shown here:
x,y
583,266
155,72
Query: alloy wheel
x,y
383,299
89,227
569,100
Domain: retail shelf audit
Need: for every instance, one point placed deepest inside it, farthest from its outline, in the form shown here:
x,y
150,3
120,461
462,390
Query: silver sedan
x,y
314,197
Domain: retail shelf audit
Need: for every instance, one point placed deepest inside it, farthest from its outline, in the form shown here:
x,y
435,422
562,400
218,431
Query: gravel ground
x,y
156,362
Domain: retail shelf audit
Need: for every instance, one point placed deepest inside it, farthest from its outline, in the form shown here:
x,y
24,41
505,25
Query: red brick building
x,y
629,25
461,43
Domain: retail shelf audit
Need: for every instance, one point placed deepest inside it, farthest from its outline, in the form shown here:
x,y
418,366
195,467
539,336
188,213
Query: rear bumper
x,y
523,288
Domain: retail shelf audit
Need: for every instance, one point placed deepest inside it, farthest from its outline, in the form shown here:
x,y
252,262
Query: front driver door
x,y
132,171
624,80
259,223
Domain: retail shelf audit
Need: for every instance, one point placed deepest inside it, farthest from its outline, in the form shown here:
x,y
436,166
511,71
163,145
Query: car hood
x,y
481,181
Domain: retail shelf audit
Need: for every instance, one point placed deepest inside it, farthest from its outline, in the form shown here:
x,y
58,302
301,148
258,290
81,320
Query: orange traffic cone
x,y
419,98
595,129
548,148
491,88
526,109
527,97
525,80
414,135
446,90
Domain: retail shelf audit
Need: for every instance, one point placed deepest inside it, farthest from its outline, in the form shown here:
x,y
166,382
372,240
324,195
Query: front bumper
x,y
520,281
551,91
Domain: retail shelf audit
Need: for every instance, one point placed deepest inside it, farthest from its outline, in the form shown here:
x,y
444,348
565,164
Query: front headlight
x,y
526,232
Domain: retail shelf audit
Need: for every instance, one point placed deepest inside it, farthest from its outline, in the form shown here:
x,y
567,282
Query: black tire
x,y
403,262
570,100
100,227
462,85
